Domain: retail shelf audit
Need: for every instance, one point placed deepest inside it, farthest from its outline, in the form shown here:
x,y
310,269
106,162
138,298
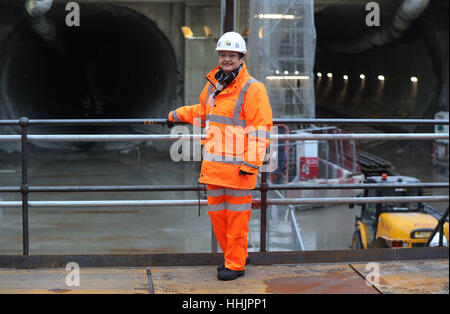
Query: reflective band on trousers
x,y
228,206
229,192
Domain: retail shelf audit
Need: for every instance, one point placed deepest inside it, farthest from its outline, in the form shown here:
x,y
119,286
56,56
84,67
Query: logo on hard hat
x,y
228,43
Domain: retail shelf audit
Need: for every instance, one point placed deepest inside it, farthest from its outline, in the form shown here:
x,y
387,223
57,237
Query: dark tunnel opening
x,y
116,64
387,89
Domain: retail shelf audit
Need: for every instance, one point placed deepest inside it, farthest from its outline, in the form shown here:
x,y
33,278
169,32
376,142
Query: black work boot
x,y
222,266
228,274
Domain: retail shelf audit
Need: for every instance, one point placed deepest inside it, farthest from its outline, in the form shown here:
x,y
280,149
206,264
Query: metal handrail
x,y
196,187
270,201
164,121
264,187
199,137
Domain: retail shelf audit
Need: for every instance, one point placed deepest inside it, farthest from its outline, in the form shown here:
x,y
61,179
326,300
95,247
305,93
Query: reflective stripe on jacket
x,y
239,121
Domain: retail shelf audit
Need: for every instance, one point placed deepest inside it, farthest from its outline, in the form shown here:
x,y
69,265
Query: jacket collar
x,y
240,79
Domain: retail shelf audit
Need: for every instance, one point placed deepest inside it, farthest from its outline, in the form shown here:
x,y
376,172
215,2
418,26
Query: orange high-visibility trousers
x,y
230,211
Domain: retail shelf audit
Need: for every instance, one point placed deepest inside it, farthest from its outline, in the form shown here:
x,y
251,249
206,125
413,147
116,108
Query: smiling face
x,y
230,61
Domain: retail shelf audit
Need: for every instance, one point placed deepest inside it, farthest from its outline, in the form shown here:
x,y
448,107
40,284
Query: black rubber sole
x,y
231,277
222,266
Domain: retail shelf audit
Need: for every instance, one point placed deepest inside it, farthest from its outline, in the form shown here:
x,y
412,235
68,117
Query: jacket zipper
x,y
214,86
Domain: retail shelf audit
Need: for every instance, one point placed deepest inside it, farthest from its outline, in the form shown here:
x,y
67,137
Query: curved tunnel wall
x,y
420,53
116,55
396,96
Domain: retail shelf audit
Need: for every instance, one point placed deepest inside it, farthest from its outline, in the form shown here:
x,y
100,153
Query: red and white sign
x,y
309,168
308,161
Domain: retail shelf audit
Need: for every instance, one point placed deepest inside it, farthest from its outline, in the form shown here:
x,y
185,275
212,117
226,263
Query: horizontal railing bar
x,y
430,185
161,188
9,189
68,122
287,201
361,121
275,121
198,137
104,203
357,200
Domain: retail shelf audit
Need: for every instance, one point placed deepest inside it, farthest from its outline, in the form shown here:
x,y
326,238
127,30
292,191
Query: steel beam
x,y
197,259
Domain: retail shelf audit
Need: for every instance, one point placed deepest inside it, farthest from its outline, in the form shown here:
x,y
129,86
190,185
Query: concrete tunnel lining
x,y
116,53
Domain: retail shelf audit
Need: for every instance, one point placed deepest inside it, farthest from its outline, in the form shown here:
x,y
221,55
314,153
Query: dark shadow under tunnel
x,y
116,64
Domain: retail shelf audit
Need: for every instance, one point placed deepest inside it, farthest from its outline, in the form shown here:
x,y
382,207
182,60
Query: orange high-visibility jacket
x,y
238,122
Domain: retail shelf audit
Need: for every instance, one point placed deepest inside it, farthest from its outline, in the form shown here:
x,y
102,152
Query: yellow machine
x,y
383,225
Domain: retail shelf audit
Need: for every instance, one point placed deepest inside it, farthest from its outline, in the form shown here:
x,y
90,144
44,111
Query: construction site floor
x,y
399,277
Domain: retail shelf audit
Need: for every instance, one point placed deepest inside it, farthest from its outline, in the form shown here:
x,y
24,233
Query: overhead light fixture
x,y
296,72
362,76
187,32
208,32
275,16
286,72
330,75
277,72
345,77
381,77
319,74
291,77
414,79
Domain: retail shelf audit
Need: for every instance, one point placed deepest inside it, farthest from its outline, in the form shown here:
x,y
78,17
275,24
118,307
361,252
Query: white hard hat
x,y
232,41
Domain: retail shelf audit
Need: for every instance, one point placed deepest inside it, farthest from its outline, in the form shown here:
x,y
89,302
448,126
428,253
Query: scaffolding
x,y
282,50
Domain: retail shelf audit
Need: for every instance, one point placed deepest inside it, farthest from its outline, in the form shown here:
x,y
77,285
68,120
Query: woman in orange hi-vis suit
x,y
235,110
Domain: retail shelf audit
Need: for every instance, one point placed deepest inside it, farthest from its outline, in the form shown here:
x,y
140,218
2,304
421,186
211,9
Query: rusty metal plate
x,y
91,281
324,279
416,277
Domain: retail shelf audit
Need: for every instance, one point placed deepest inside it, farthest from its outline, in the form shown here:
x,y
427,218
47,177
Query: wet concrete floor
x,y
122,230
394,277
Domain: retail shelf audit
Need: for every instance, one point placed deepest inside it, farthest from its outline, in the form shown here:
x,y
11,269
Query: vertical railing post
x,y
327,154
439,228
441,235
263,211
355,167
24,188
213,241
